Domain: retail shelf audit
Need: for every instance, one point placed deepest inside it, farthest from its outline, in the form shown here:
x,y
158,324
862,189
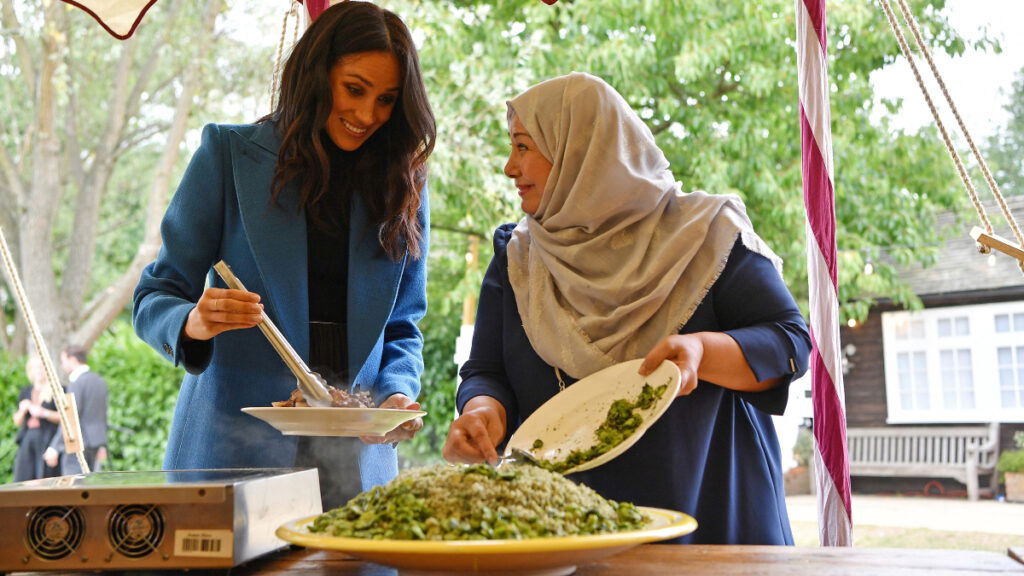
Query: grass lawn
x,y
806,534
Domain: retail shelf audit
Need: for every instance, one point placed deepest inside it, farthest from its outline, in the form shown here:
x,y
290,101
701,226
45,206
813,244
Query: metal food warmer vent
x,y
174,520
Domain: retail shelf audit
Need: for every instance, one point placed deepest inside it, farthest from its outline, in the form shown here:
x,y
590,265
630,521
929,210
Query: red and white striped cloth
x,y
831,465
315,7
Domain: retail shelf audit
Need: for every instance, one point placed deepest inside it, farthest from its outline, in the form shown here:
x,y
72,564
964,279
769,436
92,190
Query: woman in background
x,y
612,262
37,420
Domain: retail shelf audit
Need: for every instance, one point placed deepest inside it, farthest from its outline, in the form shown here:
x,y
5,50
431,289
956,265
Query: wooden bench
x,y
962,453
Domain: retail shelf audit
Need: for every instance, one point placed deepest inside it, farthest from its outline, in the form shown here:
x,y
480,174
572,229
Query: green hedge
x,y
142,386
143,390
1012,460
437,393
12,379
449,285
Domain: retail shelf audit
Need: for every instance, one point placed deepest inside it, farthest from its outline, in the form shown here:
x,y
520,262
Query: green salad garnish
x,y
622,421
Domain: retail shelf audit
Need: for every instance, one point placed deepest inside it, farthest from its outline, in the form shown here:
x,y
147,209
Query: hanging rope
x,y
992,184
292,11
894,25
66,410
954,155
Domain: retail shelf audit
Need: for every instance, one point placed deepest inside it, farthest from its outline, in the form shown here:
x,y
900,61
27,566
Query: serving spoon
x,y
311,384
518,456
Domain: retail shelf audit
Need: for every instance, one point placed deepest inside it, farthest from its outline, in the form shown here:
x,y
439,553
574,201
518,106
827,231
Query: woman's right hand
x,y
474,435
220,310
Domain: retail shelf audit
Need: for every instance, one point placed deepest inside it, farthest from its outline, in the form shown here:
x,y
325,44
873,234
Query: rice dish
x,y
478,502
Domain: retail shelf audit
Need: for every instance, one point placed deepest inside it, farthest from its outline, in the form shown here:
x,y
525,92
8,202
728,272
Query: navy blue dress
x,y
714,454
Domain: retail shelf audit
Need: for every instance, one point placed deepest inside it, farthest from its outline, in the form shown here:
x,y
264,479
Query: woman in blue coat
x,y
613,262
320,209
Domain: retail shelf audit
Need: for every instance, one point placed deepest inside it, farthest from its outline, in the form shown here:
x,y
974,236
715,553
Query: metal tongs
x,y
311,384
518,456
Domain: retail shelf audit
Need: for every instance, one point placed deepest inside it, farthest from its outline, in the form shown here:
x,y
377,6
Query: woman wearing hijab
x,y
613,262
320,209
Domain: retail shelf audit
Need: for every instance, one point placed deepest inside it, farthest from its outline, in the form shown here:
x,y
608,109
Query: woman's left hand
x,y
402,432
685,351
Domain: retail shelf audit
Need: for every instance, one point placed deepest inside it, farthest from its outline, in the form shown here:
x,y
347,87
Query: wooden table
x,y
661,560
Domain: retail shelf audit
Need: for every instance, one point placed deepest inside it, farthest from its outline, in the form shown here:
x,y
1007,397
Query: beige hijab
x,y
616,257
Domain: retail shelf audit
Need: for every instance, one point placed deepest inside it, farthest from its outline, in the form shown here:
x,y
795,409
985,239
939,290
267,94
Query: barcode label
x,y
200,545
203,543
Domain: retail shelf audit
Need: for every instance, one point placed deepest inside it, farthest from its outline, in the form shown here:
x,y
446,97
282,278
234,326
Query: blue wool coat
x,y
223,211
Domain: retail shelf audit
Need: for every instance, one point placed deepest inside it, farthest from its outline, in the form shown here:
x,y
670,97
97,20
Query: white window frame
x,y
982,341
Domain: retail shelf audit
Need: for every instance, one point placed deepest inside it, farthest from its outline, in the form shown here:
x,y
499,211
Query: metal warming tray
x,y
173,520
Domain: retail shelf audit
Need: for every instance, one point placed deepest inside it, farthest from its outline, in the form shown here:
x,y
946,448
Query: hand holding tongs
x,y
311,384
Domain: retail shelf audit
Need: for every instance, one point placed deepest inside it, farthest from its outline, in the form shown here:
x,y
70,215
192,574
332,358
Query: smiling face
x,y
527,166
365,88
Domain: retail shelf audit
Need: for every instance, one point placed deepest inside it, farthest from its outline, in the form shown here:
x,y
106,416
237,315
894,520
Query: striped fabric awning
x,y
831,465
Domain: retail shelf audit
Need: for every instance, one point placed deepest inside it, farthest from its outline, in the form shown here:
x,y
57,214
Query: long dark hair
x,y
390,168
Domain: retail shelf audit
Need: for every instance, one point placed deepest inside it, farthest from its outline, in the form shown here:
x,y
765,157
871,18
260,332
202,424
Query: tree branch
x,y
455,230
144,81
78,269
132,138
35,232
72,144
10,22
13,194
115,296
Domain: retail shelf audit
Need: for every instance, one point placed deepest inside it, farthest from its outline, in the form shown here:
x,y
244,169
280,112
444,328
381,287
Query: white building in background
x,y
798,412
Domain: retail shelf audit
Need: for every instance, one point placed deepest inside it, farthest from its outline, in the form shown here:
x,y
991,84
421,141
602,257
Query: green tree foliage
x,y
142,390
716,82
12,380
1005,150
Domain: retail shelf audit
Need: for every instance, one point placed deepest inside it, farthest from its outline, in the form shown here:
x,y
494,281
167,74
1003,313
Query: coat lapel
x,y
373,280
276,234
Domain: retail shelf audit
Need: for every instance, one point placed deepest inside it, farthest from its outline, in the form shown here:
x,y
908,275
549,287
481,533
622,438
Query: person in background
x,y
37,420
613,262
320,209
90,391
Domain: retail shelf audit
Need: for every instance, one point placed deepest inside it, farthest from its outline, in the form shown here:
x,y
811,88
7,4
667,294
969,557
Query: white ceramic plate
x,y
535,557
568,420
310,421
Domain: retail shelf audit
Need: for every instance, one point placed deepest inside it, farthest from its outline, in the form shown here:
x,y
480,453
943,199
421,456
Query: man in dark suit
x,y
90,392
